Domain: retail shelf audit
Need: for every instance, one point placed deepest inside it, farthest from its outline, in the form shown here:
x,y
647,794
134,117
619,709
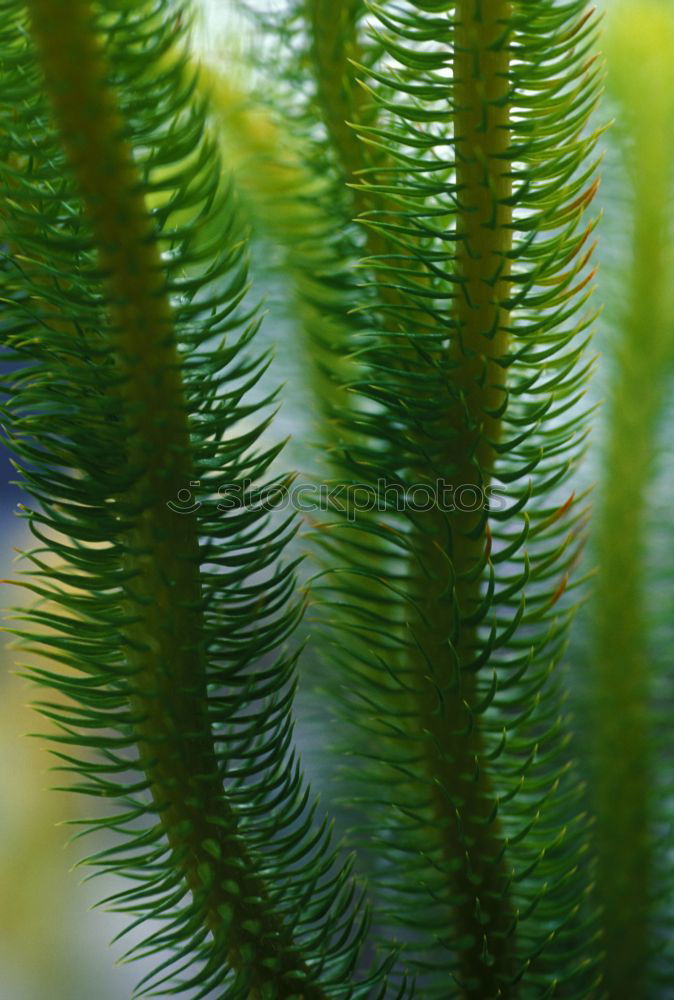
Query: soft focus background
x,y
51,944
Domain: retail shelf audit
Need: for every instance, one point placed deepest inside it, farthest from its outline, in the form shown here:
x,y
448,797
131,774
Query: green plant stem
x,y
164,644
621,726
623,763
288,204
640,49
450,588
334,40
450,583
344,103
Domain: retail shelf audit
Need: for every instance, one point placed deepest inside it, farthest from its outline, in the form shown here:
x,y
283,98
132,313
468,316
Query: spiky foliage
x,y
472,175
627,796
287,203
160,622
312,101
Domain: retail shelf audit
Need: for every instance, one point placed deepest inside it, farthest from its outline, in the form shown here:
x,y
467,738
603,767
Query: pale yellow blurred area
x,y
52,947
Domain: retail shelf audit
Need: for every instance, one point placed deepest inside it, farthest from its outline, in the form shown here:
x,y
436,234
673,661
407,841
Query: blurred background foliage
x,y
620,656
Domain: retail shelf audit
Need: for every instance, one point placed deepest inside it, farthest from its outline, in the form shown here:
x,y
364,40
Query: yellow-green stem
x,y
622,724
640,51
164,646
480,889
464,799
334,39
288,203
344,103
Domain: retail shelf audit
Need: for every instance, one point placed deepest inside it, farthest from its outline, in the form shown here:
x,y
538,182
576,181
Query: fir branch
x,y
449,586
161,626
164,635
471,310
287,204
